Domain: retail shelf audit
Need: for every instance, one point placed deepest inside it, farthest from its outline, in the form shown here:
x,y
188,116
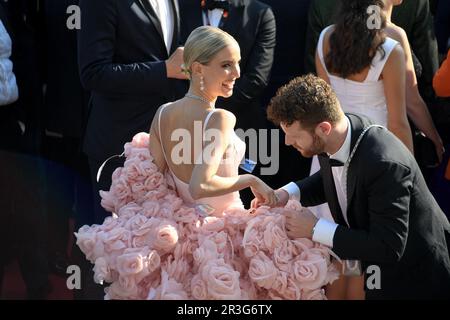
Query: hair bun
x,y
185,70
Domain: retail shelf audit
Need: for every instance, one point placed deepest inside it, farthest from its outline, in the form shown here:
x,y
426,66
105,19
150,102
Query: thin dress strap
x,y
208,116
320,47
159,133
206,121
379,61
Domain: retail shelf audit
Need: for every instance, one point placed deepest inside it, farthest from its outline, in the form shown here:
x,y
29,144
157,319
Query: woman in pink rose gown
x,y
179,229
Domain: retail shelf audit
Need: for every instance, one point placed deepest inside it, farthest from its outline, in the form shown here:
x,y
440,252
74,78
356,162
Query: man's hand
x,y
299,224
174,63
282,199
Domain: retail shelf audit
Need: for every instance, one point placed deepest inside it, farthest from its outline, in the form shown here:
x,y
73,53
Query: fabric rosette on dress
x,y
155,246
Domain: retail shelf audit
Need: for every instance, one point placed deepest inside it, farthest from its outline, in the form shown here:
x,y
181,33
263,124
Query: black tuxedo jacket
x,y
252,24
121,55
65,99
291,17
24,26
394,221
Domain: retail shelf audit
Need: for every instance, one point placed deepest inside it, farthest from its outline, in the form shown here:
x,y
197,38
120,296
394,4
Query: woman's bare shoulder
x,y
222,117
397,33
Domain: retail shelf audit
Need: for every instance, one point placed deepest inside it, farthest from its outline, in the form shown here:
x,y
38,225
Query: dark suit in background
x,y
394,221
413,16
122,55
291,19
442,25
22,213
68,188
25,20
252,24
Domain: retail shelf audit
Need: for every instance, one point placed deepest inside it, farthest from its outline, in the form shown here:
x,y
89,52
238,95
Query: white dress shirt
x,y
214,17
163,9
324,229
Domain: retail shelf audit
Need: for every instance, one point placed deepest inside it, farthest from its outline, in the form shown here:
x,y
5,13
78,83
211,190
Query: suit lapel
x,y
176,25
151,14
351,187
192,17
358,126
234,20
330,190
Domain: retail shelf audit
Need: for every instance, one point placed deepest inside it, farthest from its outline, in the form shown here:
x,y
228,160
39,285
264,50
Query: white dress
x,y
365,98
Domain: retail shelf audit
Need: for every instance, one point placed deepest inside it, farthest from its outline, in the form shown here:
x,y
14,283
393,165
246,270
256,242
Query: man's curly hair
x,y
307,99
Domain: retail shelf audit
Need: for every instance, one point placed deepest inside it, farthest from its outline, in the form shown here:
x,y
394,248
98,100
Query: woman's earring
x,y
202,83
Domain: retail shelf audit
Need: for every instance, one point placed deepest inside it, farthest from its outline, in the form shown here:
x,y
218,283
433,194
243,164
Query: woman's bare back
x,y
182,126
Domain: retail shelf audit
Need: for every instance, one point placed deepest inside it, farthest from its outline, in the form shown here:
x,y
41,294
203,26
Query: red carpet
x,y
14,287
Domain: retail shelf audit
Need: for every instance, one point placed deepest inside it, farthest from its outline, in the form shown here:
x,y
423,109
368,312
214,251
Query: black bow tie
x,y
332,162
215,4
336,163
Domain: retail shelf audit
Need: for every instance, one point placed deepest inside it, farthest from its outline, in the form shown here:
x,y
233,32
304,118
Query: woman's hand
x,y
264,194
439,145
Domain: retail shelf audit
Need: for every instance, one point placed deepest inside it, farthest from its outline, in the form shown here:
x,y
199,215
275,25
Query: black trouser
x,y
22,216
68,192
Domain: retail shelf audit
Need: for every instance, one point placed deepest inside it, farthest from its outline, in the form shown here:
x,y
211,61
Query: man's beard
x,y
317,147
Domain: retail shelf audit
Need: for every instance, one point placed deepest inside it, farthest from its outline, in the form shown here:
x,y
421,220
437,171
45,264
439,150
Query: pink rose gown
x,y
159,243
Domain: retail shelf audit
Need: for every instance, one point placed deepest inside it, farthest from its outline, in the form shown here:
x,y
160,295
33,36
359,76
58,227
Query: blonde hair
x,y
203,44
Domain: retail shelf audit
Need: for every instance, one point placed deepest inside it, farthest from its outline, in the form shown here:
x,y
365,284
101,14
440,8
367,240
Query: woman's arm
x,y
204,180
394,90
415,106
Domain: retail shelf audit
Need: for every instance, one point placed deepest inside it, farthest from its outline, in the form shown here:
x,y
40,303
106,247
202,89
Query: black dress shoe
x,y
39,293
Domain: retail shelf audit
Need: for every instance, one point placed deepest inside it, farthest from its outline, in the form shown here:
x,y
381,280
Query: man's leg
x,y
30,225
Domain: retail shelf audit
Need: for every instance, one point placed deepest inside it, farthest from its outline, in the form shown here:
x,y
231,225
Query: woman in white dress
x,y
367,71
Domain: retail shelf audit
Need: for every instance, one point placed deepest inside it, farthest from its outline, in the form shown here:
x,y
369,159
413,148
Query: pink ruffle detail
x,y
154,246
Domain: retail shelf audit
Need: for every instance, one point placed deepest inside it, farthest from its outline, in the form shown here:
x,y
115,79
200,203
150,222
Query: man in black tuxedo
x,y
384,214
129,59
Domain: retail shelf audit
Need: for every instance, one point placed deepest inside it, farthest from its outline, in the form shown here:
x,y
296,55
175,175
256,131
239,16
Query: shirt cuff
x,y
324,232
293,190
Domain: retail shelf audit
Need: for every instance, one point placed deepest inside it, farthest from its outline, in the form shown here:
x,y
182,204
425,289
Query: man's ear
x,y
323,128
